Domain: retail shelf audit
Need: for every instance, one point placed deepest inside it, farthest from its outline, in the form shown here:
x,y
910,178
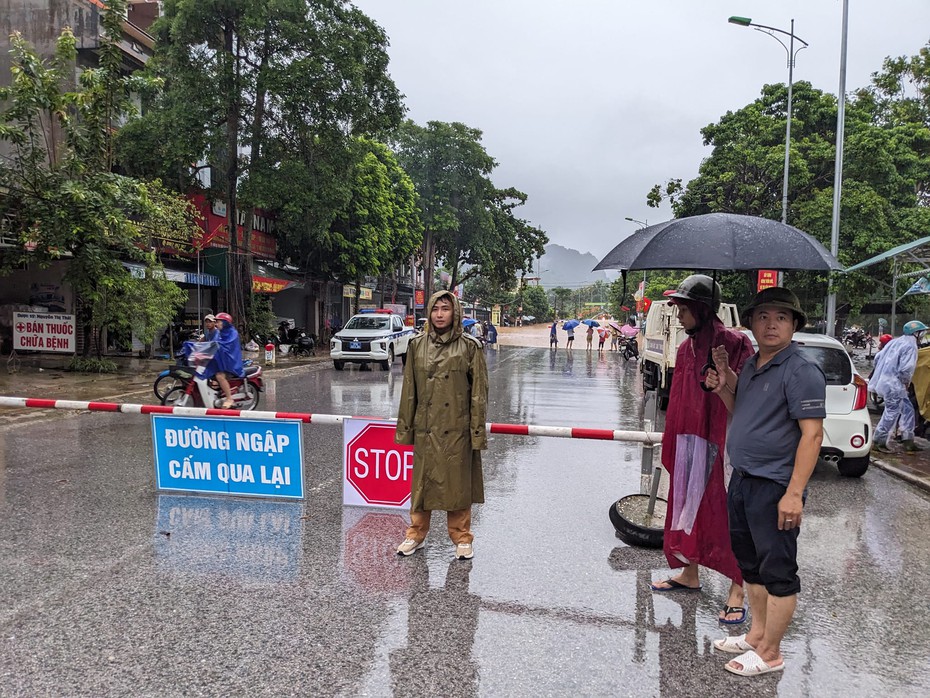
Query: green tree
x,y
536,303
560,298
886,168
61,197
270,93
469,224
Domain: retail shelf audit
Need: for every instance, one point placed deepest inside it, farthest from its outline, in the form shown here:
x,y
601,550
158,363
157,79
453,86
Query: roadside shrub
x,y
82,364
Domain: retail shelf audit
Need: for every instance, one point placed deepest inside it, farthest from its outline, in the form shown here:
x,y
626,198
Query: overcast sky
x,y
585,104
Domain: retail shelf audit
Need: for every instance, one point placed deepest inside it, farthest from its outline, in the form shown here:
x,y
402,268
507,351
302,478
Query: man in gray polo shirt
x,y
777,403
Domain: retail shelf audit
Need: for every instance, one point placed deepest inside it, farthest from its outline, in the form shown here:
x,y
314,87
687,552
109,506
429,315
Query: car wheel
x,y
853,467
339,365
386,365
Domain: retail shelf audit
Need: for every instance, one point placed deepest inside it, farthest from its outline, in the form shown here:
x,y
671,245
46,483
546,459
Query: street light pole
x,y
830,329
643,224
747,22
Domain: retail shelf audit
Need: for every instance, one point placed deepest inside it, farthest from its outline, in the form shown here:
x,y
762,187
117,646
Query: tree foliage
x,y
273,95
886,170
61,198
469,224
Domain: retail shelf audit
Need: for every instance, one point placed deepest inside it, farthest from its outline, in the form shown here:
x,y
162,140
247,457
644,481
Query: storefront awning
x,y
269,279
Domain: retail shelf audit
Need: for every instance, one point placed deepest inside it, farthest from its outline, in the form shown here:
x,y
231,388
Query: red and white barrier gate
x,y
649,438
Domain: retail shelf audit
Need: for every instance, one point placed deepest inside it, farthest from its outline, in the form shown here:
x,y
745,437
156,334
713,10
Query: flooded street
x,y
115,589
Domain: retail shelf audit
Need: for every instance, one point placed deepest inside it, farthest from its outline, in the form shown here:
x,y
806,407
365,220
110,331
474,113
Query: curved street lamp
x,y
771,31
644,224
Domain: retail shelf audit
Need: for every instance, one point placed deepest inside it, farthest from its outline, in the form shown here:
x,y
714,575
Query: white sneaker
x,y
464,551
409,547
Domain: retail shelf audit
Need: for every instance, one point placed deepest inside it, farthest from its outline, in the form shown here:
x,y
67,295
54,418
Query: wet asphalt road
x,y
246,597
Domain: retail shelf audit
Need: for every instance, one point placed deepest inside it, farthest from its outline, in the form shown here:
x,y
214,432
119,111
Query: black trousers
x,y
765,554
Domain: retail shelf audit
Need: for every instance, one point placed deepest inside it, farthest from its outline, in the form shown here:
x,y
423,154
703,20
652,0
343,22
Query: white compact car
x,y
847,430
375,336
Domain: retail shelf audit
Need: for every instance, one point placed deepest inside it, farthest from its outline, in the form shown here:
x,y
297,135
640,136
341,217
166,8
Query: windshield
x,y
833,362
368,322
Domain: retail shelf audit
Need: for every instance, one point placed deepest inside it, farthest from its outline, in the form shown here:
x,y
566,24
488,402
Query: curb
x,y
909,477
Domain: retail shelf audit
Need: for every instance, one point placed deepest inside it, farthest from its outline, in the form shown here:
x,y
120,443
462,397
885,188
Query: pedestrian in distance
x,y
778,407
602,334
614,340
490,334
442,414
554,334
894,369
589,336
570,342
696,524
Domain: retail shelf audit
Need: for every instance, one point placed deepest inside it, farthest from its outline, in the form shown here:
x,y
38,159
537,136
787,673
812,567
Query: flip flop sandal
x,y
752,665
673,586
728,610
734,644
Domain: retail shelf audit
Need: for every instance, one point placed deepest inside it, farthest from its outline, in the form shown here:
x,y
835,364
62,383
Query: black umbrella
x,y
722,242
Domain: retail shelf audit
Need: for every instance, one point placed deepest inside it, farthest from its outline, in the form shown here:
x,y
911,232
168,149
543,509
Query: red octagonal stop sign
x,y
379,469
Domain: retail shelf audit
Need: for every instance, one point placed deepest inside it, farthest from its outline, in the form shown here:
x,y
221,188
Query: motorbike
x,y
857,338
176,334
630,349
297,339
176,375
197,391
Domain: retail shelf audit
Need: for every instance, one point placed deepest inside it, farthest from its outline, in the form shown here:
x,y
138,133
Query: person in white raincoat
x,y
894,369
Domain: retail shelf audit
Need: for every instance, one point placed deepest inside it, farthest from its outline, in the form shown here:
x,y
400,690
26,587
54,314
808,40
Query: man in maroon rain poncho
x,y
696,524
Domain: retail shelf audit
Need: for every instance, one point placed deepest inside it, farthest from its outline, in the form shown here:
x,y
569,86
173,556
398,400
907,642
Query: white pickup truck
x,y
664,334
377,337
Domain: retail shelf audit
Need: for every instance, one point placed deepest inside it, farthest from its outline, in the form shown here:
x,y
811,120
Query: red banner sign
x,y
768,278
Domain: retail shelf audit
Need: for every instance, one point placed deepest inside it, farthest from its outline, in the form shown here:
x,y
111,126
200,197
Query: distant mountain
x,y
563,266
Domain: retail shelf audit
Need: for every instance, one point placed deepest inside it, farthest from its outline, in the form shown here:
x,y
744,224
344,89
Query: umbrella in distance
x,y
720,242
591,323
570,324
468,321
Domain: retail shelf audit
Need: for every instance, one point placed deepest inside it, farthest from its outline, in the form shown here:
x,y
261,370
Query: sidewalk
x,y
45,377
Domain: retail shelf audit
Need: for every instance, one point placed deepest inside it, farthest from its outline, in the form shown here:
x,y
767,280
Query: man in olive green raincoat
x,y
442,413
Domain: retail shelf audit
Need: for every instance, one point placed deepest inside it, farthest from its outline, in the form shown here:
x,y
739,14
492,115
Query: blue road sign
x,y
242,457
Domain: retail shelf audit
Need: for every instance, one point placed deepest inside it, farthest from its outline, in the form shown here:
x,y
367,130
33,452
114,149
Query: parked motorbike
x,y
630,349
857,338
298,341
197,391
176,334
304,345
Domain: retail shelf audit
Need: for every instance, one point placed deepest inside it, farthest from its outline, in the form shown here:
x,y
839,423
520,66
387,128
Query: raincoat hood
x,y
456,329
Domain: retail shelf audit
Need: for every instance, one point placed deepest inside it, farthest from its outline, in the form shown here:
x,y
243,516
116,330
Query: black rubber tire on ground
x,y
176,397
251,402
339,365
386,365
165,384
633,533
853,467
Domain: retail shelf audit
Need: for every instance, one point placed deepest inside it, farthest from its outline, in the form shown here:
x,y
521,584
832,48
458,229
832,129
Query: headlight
x,y
333,345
